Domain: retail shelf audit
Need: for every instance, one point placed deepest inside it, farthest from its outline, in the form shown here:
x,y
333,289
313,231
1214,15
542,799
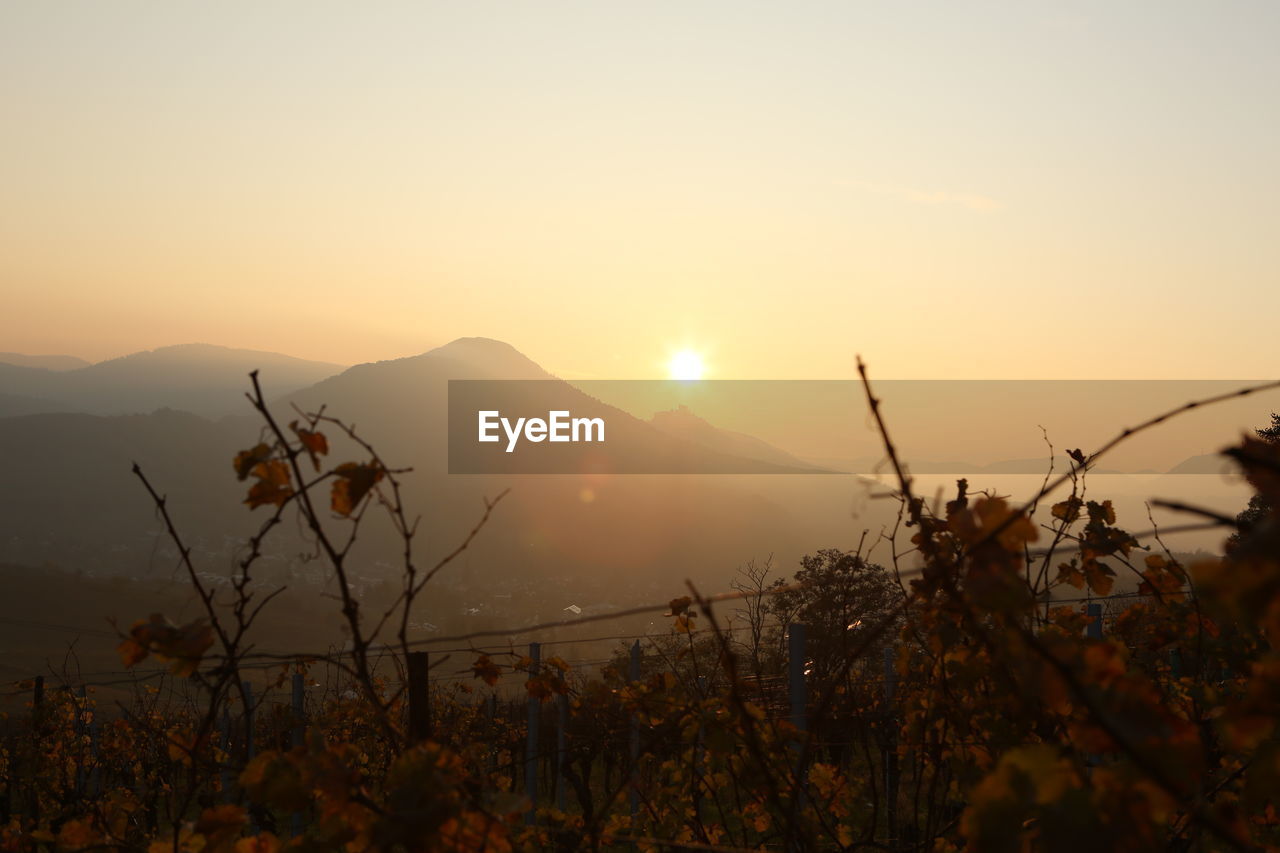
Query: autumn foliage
x,y
1002,721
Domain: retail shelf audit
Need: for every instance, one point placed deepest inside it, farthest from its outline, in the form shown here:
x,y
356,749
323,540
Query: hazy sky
x,y
954,190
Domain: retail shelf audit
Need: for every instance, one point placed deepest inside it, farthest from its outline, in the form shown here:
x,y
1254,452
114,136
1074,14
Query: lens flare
x,y
686,364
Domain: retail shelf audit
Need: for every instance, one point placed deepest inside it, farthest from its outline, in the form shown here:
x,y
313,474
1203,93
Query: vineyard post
x,y
796,643
299,711
80,702
248,723
491,704
634,675
224,735
6,797
531,744
249,747
1094,629
698,752
37,713
298,738
95,775
562,703
419,697
797,648
891,747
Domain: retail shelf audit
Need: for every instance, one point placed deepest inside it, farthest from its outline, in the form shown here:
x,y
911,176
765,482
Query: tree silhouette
x,y
838,595
1259,507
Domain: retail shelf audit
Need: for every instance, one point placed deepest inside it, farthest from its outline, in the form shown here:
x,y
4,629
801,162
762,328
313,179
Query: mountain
x,y
48,362
1035,466
71,498
1208,463
200,378
411,401
588,537
682,423
12,405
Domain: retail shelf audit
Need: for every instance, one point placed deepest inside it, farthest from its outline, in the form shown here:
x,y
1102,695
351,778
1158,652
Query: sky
x,y
952,190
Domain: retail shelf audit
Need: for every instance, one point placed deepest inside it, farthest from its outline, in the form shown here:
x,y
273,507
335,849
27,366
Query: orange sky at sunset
x,y
977,190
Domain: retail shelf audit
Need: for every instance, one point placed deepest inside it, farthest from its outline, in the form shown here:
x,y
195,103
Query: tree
x,y
839,596
752,617
1259,507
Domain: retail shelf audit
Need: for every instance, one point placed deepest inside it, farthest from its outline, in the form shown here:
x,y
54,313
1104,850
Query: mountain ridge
x,y
47,362
206,379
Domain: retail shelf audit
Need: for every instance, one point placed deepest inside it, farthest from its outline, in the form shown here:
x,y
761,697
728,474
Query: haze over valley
x,y
595,541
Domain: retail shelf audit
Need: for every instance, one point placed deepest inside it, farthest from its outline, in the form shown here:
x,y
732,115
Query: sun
x,y
686,365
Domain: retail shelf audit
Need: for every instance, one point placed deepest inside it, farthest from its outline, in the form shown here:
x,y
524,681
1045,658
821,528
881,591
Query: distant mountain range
x,y
210,381
682,423
70,496
1210,463
48,362
200,378
407,399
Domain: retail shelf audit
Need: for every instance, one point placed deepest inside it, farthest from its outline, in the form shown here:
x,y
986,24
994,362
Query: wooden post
x,y
224,772
419,697
491,706
797,649
81,701
562,703
249,746
1094,629
891,748
698,752
37,715
298,736
6,799
95,775
634,675
531,743
796,636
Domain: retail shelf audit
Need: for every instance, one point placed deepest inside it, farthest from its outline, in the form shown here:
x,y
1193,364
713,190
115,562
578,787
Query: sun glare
x,y
686,364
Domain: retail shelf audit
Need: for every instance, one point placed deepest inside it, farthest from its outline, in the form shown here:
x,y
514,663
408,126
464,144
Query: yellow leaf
x,y
247,460
273,484
76,834
487,670
353,483
264,843
314,443
131,652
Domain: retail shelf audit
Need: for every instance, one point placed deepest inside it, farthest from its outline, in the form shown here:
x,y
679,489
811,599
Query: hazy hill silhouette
x,y
200,378
683,423
406,403
596,537
659,528
71,498
12,405
48,362
1207,463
